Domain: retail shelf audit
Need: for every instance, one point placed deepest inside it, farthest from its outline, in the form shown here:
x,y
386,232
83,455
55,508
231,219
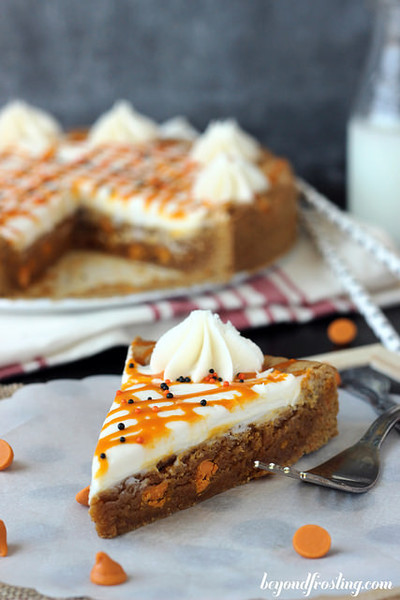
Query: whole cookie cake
x,y
203,207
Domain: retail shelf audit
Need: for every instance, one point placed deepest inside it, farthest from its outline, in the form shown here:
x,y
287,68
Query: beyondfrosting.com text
x,y
313,582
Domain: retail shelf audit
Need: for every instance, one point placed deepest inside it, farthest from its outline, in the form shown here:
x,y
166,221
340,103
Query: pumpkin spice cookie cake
x,y
199,207
193,412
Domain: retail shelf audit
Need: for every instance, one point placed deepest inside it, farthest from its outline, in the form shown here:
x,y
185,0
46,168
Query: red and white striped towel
x,y
298,289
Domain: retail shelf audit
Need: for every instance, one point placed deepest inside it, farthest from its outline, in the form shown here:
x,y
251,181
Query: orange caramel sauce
x,y
161,172
158,172
151,424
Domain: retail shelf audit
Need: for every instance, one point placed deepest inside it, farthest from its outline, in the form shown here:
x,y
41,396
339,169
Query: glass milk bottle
x,y
373,136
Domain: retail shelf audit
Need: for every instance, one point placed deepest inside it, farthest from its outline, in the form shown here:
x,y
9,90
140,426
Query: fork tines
x,y
279,469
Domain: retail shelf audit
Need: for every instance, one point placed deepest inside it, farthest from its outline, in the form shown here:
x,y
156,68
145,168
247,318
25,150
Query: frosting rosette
x,y
122,123
225,136
27,127
178,128
203,342
229,178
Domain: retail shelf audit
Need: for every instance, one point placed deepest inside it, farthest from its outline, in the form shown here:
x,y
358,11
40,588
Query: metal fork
x,y
356,469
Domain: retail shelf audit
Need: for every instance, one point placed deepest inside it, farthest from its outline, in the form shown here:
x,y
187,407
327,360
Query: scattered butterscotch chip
x,y
338,379
83,496
342,331
107,571
311,541
205,471
3,539
6,455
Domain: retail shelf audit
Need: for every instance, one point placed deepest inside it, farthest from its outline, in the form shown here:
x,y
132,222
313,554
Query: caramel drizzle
x,y
163,177
161,171
152,423
24,186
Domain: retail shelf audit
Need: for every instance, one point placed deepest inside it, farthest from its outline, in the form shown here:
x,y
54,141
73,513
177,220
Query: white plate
x,y
101,303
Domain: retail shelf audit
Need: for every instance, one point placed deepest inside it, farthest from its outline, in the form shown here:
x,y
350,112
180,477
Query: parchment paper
x,y
218,549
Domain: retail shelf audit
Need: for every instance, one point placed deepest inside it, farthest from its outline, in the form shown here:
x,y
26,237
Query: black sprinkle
x,y
130,401
219,378
149,398
187,379
103,455
164,386
203,402
121,426
169,395
131,365
241,380
211,371
122,439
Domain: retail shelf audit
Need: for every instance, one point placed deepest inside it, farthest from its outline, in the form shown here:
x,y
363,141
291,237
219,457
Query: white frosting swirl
x,y
225,136
122,123
227,179
27,127
203,342
178,128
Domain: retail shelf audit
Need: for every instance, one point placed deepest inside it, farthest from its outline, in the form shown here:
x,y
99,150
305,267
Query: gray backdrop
x,y
286,69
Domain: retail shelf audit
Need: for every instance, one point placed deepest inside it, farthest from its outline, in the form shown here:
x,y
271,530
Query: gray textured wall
x,y
286,69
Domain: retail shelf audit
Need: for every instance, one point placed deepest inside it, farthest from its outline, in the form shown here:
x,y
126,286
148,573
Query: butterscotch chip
x,y
82,497
6,455
107,571
164,256
312,541
155,495
3,539
205,471
342,331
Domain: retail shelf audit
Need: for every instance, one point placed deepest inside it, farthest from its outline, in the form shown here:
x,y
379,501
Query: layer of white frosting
x,y
122,123
19,229
136,211
129,459
229,179
225,136
203,342
26,127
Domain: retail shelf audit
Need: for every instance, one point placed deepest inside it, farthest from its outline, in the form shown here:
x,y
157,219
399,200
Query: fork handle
x,y
379,429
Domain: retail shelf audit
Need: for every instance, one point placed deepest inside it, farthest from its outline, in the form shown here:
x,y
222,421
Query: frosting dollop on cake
x,y
122,123
228,178
178,128
27,127
203,342
225,136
